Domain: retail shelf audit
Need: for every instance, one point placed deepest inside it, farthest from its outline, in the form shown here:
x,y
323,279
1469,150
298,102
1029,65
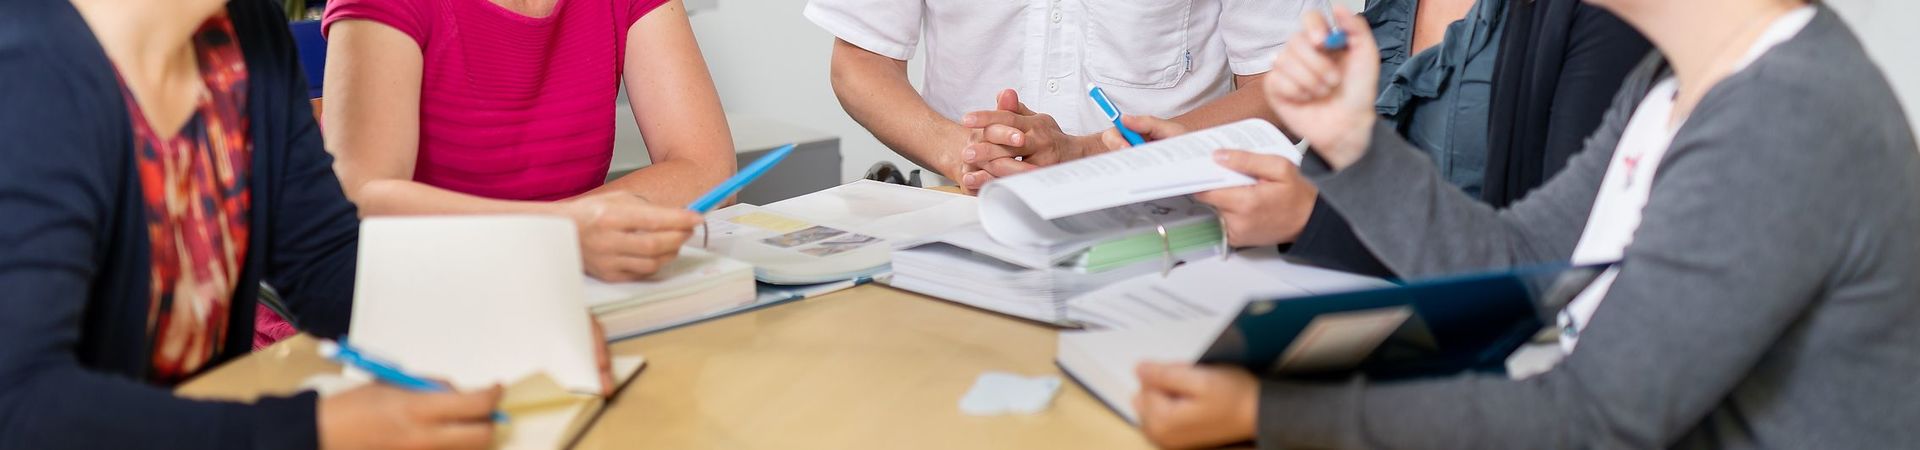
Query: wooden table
x,y
870,367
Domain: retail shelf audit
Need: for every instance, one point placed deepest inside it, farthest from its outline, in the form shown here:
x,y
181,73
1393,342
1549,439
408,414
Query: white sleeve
x,y
890,28
1254,30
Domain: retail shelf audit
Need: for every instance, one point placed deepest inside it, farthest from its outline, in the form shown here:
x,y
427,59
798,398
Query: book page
x,y
475,300
1209,288
1023,210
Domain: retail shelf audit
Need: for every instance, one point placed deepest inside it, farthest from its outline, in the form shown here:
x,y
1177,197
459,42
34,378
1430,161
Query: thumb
x,y
1152,128
1009,100
1260,166
1178,380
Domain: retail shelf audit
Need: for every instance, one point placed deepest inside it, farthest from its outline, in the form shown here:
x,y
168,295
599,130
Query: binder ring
x,y
1166,244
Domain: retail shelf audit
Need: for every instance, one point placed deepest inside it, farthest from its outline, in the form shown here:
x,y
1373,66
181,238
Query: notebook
x,y
484,300
695,286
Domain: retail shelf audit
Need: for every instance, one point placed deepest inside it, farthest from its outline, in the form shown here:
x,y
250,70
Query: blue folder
x,y
1459,323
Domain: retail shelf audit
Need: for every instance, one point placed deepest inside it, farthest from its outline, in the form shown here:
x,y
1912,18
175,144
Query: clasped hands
x,y
1013,139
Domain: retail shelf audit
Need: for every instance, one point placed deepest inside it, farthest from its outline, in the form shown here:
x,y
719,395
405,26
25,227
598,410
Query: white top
x,y
1153,57
1628,184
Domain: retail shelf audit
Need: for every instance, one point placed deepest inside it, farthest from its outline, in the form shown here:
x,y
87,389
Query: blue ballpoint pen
x,y
1113,113
384,371
1336,37
712,198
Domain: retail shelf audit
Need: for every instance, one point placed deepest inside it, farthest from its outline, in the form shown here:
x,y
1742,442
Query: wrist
x,y
1246,420
1347,151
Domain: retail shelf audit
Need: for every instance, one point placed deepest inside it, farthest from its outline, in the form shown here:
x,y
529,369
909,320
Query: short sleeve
x,y
635,10
1254,30
890,28
408,16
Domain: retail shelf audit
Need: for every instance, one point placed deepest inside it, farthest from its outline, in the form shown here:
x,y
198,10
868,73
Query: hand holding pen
x,y
1326,95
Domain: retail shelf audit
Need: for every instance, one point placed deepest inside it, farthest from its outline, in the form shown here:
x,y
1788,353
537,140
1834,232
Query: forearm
x,y
67,406
391,197
875,92
1245,102
674,183
1419,224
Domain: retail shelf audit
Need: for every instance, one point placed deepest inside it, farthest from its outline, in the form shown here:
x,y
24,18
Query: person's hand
x,y
1012,131
1272,211
379,416
601,357
1148,127
1327,97
1188,406
625,238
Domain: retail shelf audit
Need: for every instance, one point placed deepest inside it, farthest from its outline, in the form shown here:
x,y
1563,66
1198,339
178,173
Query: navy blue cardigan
x,y
74,253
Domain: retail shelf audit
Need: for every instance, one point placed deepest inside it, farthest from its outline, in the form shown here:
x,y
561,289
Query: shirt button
x,y
1056,16
1053,85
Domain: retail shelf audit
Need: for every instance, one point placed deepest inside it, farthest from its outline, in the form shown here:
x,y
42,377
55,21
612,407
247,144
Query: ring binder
x,y
1166,244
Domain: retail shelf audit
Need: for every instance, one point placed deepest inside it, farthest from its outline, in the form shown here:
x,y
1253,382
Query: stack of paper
x,y
1176,318
695,286
1061,231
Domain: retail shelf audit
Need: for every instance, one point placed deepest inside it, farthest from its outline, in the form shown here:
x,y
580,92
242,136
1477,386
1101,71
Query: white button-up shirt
x,y
1153,57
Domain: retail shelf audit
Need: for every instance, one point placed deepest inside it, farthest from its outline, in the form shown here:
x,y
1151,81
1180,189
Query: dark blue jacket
x,y
74,253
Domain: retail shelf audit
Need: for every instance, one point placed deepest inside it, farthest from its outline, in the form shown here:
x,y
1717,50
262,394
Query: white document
x,y
1209,288
1065,201
887,210
1103,360
476,300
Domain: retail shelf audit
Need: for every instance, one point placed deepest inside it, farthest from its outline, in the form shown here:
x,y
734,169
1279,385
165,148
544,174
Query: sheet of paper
x,y
1208,288
1339,341
476,300
1017,209
997,393
1104,360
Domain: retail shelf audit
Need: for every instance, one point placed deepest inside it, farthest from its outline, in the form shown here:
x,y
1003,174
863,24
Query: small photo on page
x,y
838,245
802,237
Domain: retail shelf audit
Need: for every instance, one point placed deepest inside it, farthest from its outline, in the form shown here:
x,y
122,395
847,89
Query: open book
x,y
1425,328
484,300
1065,230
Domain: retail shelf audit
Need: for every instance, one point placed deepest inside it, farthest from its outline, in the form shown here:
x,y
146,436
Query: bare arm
x,y
1243,103
678,111
875,92
373,131
372,127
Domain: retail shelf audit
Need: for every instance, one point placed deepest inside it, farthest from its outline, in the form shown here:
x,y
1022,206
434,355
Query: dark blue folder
x,y
1459,323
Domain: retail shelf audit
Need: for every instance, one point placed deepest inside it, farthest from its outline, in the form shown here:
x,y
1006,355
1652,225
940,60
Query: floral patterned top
x,y
194,186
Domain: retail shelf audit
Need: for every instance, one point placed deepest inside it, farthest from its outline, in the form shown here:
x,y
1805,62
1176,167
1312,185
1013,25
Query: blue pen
x,y
1337,37
384,371
712,198
1113,113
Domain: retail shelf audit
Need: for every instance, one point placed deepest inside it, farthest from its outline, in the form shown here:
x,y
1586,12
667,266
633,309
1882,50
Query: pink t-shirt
x,y
511,106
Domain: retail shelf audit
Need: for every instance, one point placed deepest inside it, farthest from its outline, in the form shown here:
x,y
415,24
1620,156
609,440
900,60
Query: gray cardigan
x,y
1770,299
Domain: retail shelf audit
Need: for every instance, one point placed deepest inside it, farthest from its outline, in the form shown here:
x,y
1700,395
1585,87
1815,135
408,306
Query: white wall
x,y
1891,30
771,62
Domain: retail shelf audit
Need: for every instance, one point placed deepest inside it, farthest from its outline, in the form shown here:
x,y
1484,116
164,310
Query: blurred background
x,y
771,66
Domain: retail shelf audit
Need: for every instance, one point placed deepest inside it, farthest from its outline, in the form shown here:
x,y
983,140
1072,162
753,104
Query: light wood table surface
x,y
869,367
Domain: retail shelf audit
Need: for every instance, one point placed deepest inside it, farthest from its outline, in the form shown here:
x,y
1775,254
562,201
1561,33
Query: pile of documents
x,y
1056,233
